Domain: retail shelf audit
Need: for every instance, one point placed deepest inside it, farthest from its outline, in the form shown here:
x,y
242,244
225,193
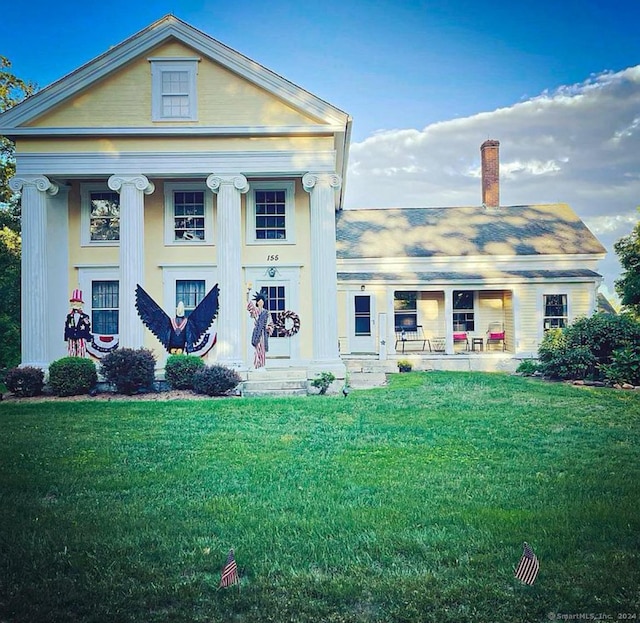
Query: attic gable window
x,y
173,89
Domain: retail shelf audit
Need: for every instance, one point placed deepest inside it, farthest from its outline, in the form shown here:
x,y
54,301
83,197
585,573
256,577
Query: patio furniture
x,y
477,342
411,335
460,337
495,335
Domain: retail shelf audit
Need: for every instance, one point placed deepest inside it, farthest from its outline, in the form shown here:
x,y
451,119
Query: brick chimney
x,y
490,157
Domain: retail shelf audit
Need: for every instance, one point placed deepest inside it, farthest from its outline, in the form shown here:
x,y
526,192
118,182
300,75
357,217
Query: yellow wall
x,y
124,99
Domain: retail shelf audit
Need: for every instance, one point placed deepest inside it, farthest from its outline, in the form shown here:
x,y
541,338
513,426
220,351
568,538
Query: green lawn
x,y
404,503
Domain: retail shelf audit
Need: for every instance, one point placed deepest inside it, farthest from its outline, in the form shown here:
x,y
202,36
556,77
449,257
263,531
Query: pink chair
x,y
461,337
495,335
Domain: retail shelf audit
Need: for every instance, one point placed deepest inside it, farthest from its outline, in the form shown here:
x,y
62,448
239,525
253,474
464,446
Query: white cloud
x,y
578,145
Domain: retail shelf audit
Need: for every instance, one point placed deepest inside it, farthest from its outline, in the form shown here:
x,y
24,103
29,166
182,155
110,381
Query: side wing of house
x,y
472,279
175,163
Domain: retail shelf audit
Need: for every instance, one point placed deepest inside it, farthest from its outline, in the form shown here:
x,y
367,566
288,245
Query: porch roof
x,y
529,230
493,276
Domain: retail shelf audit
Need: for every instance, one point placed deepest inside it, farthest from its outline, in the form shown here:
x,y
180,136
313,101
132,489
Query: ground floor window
x,y
555,311
405,309
190,292
104,307
463,312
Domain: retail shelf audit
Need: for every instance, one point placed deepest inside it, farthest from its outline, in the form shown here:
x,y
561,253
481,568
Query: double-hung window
x,y
104,307
270,212
173,89
405,309
555,311
463,314
100,215
188,214
190,292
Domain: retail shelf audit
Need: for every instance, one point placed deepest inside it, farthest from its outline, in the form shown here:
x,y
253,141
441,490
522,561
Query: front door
x,y
363,333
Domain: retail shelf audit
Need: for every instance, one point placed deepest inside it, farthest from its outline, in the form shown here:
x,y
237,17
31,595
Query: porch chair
x,y
495,335
460,337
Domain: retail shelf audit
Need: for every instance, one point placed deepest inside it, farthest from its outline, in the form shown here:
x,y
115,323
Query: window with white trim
x,y
270,212
104,307
99,215
555,311
173,89
405,310
190,292
188,214
463,314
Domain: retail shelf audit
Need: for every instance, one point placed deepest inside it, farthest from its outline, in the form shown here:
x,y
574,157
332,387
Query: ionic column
x,y
321,188
449,348
132,190
35,190
232,314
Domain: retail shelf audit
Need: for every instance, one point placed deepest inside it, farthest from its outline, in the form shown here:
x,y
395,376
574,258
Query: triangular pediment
x,y
114,89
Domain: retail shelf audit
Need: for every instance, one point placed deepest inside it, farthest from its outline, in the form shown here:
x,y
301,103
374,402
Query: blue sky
x,y
425,82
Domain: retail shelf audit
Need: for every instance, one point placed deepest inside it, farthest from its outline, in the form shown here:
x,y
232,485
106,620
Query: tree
x,y
12,91
628,286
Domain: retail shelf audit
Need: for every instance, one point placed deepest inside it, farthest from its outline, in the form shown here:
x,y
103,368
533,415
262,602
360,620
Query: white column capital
x,y
311,180
40,182
140,182
238,181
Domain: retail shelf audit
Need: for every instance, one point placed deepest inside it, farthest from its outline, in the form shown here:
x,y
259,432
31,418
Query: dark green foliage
x,y
215,380
528,367
129,370
71,376
10,299
323,381
628,286
624,366
584,348
25,382
180,370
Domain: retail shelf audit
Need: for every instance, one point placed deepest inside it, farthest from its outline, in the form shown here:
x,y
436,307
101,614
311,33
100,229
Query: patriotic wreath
x,y
281,323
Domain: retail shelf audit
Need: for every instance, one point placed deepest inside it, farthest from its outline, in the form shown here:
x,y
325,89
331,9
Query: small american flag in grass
x,y
229,572
528,567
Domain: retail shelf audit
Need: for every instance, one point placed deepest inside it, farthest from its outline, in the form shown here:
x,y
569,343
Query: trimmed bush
x,y
25,382
71,376
130,370
323,381
528,367
215,380
180,370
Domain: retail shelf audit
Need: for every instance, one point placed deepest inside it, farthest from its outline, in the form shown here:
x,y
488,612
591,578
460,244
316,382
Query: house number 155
x,y
272,258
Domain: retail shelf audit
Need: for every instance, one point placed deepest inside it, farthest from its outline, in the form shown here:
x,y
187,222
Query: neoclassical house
x,y
175,163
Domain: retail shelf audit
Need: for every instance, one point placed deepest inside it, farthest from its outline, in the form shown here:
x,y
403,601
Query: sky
x,y
426,82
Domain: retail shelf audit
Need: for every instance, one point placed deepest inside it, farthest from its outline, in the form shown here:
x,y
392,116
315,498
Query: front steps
x,y
276,382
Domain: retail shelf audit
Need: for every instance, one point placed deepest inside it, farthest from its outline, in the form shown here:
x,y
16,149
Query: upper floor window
x,y
173,90
270,212
555,311
463,314
188,213
100,215
405,309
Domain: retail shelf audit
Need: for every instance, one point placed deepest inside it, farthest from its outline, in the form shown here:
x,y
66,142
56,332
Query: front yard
x,y
404,503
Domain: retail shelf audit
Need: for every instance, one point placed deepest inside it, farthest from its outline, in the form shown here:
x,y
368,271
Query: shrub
x,y
215,380
323,381
25,382
71,376
624,366
528,367
180,370
130,370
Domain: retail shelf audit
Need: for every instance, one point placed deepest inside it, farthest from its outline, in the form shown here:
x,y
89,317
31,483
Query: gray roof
x,y
443,232
489,274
